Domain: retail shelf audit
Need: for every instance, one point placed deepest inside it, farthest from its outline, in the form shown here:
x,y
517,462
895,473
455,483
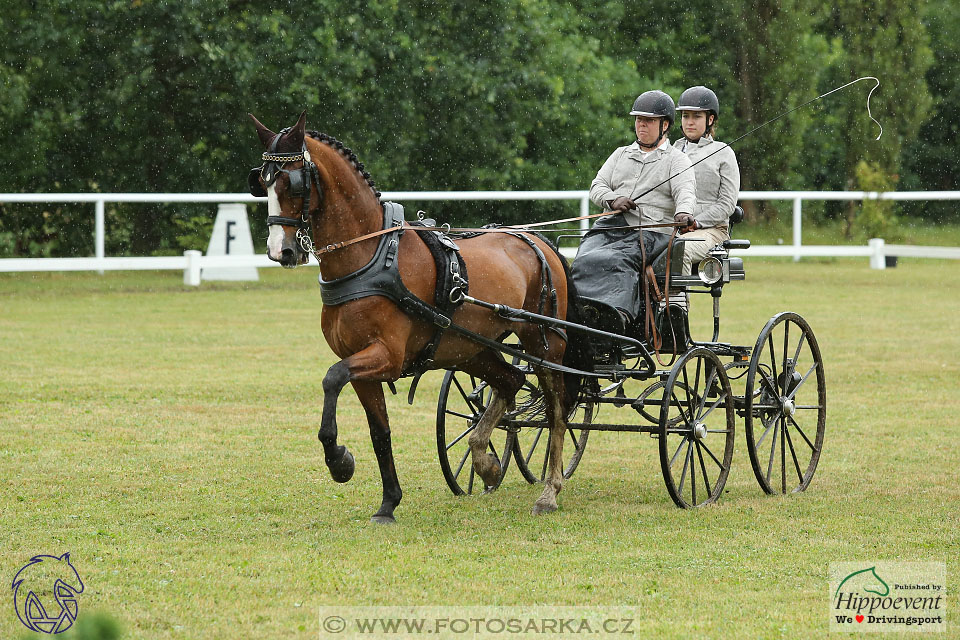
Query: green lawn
x,y
166,438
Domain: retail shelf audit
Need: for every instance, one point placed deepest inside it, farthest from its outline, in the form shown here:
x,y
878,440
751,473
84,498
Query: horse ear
x,y
65,556
298,132
265,134
301,126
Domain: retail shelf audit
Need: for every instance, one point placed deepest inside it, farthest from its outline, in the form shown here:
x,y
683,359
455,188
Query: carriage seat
x,y
676,259
601,315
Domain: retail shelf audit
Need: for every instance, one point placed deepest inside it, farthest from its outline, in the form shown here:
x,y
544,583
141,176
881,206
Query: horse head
x,y
42,579
287,179
316,189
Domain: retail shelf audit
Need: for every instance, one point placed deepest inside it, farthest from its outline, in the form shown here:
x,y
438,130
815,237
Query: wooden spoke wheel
x,y
696,429
532,444
785,405
463,399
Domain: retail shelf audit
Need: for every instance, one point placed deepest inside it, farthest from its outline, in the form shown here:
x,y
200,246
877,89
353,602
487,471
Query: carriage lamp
x,y
710,270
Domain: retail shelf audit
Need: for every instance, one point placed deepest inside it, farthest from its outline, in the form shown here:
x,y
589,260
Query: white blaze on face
x,y
275,239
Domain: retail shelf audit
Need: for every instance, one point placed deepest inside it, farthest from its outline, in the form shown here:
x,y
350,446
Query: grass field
x,y
166,438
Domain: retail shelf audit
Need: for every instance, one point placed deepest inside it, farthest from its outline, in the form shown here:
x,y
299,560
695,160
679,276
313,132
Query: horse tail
x,y
579,353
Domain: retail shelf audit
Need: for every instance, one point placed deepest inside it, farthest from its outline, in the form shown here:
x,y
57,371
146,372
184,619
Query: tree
x,y
891,43
775,70
930,161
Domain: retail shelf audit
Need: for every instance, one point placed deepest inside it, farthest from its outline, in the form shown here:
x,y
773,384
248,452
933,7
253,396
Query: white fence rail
x,y
191,262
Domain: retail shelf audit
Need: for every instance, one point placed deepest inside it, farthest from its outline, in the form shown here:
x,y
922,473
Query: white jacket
x,y
718,179
628,172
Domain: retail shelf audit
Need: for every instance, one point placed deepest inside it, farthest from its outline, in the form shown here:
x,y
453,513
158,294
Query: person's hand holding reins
x,y
688,222
622,204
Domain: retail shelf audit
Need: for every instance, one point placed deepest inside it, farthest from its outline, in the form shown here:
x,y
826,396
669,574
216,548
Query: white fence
x,y
192,262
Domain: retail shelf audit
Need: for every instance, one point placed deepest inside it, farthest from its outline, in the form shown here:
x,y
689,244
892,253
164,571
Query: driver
x,y
609,261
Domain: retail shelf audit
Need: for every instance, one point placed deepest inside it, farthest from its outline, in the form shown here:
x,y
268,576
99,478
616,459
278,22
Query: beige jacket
x,y
718,179
628,172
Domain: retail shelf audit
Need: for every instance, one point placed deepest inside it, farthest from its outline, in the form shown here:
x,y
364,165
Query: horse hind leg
x,y
484,463
552,383
505,380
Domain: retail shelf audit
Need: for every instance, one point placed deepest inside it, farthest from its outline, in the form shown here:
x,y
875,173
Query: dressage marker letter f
x,y
230,236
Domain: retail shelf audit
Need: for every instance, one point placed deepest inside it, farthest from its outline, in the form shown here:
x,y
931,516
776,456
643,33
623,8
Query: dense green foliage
x,y
152,96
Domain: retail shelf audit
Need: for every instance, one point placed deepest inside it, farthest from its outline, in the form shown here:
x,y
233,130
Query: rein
x,y
448,229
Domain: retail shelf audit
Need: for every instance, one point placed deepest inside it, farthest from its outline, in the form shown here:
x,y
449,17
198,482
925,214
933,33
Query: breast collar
x,y
380,276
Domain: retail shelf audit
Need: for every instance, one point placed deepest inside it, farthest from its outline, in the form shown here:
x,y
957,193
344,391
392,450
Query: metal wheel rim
x,y
791,433
458,469
537,441
700,455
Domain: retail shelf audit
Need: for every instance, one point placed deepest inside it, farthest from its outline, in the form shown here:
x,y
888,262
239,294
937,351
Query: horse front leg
x,y
371,364
552,383
338,458
371,397
364,370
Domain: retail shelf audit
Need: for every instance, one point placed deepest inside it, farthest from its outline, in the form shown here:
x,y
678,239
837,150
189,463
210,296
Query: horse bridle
x,y
300,182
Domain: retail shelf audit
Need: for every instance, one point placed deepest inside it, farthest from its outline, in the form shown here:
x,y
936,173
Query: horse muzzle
x,y
283,248
290,258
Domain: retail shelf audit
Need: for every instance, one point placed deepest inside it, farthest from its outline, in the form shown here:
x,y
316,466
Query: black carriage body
x,y
670,333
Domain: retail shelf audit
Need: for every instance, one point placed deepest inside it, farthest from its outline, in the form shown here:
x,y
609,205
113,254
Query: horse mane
x,y
348,154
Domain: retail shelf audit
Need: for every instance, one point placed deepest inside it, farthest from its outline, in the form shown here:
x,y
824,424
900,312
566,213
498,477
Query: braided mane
x,y
347,153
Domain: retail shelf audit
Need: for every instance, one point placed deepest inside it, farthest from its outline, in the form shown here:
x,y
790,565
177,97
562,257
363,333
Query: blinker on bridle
x,y
300,182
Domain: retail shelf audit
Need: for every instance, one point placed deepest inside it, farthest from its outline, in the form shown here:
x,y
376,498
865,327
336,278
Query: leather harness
x,y
381,277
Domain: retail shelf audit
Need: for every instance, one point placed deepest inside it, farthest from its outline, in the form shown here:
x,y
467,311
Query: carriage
x,y
688,403
530,364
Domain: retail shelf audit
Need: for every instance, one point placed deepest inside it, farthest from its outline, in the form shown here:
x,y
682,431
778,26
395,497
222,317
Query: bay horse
x,y
319,195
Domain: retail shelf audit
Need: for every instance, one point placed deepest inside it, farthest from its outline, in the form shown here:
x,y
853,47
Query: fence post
x,y
878,258
191,275
584,211
797,229
98,241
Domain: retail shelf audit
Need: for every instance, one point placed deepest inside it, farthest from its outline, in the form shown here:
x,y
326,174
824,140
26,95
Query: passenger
x,y
718,176
609,261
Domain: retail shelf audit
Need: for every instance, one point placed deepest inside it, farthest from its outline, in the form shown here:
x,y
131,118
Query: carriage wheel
x,y
463,399
785,405
533,443
696,429
654,394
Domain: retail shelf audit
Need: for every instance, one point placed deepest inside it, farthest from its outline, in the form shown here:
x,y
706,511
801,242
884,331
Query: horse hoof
x,y
342,470
539,508
378,519
489,470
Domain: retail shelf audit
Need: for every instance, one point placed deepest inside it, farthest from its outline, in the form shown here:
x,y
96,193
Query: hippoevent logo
x,y
888,596
45,593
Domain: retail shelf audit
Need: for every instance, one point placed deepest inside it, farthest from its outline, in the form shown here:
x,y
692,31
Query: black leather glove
x,y
688,222
622,204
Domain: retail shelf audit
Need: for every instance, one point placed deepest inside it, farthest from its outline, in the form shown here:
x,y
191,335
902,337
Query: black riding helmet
x,y
654,104
699,98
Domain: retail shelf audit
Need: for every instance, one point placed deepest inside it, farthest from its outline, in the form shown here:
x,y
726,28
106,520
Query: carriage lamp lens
x,y
710,270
